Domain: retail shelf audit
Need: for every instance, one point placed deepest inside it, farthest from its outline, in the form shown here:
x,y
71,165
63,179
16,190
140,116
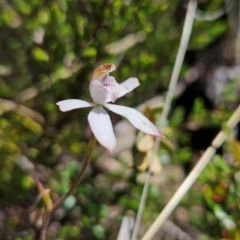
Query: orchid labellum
x,y
104,89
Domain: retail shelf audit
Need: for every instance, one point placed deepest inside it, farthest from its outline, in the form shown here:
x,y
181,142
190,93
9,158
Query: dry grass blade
x,y
186,185
126,228
173,82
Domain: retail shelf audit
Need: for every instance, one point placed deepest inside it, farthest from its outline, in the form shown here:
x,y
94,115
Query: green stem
x,y
41,234
90,149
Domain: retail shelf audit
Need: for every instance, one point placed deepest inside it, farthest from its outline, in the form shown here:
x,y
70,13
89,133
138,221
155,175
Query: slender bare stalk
x,y
41,234
91,146
173,82
186,185
74,185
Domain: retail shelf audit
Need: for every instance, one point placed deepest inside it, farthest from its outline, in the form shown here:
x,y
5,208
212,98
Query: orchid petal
x,y
128,85
138,120
112,87
102,128
70,104
98,92
100,72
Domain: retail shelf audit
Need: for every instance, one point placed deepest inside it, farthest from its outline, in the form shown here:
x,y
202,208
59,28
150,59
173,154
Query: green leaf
x,y
90,52
40,55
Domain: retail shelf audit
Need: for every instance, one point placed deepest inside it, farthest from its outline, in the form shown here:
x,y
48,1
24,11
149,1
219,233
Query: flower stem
x,y
41,233
86,162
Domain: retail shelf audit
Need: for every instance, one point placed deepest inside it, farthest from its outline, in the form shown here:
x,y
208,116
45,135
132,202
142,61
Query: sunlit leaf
x,y
40,55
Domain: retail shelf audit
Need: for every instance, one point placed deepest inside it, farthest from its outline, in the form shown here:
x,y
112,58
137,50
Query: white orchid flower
x,y
104,89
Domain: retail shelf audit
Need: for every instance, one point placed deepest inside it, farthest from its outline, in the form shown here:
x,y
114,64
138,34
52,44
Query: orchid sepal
x,y
102,128
70,104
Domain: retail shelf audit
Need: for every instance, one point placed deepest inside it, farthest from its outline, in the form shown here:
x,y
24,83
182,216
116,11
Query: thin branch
x,y
173,82
186,185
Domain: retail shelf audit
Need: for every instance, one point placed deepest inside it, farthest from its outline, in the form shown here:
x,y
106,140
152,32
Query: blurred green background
x,y
49,49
